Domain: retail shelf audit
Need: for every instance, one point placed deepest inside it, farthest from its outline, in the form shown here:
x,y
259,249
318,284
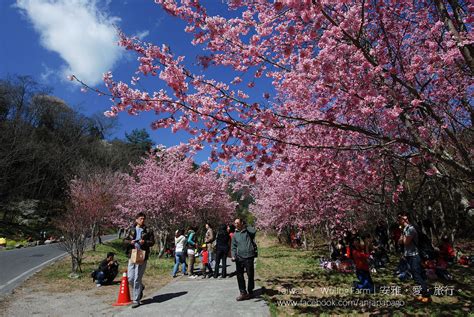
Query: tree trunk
x,y
328,234
163,235
305,242
76,264
93,235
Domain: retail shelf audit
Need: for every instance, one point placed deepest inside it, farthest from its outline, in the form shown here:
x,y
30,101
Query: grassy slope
x,y
283,270
55,278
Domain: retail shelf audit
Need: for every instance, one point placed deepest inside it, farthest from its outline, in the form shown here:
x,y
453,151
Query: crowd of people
x,y
367,252
212,253
362,252
235,241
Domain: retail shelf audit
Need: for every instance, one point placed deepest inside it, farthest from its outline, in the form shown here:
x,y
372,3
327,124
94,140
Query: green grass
x,y
11,243
294,274
56,277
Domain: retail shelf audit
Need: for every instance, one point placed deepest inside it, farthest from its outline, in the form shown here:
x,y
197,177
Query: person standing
x,y
205,266
222,249
180,256
381,234
141,238
231,231
409,240
191,243
209,240
243,253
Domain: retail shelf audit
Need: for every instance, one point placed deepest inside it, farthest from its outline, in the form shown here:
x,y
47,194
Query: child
x,y
205,262
361,262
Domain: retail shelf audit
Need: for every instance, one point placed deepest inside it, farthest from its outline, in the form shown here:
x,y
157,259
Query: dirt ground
x,y
36,297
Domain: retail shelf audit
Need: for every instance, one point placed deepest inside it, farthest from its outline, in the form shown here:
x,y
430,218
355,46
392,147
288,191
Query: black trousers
x,y
221,256
247,265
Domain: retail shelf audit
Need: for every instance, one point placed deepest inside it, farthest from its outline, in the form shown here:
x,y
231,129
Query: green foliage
x,y
140,140
244,199
45,143
59,272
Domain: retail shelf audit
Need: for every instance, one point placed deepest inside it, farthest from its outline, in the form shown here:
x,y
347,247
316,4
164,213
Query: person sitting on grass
x,y
360,256
446,251
379,255
107,271
205,266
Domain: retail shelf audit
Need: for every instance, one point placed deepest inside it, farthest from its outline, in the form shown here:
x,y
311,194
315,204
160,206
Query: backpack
x,y
185,246
255,248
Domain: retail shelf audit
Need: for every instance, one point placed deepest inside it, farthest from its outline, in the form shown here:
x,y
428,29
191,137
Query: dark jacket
x,y
242,243
104,265
108,269
147,235
222,241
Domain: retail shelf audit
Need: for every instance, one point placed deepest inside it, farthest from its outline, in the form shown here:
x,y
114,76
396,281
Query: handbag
x,y
138,256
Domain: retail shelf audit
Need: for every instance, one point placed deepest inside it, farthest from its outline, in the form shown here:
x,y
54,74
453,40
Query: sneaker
x,y
98,285
242,297
135,304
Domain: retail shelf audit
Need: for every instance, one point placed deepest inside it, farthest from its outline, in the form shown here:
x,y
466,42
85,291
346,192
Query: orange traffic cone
x,y
124,293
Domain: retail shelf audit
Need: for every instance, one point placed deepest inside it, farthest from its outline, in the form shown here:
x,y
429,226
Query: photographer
x,y
107,271
243,253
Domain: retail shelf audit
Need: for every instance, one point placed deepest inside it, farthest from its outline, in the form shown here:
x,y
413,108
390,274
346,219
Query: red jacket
x,y
360,260
348,252
205,256
447,250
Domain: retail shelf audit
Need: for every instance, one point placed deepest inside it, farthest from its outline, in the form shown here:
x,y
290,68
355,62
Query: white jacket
x,y
179,242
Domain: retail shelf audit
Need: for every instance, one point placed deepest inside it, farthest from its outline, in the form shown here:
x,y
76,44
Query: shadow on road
x,y
162,298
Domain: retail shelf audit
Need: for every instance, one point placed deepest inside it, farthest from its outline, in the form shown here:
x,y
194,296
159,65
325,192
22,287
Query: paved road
x,y
19,264
198,297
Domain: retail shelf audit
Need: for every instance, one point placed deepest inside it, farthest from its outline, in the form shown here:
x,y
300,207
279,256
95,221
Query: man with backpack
x,y
244,250
409,240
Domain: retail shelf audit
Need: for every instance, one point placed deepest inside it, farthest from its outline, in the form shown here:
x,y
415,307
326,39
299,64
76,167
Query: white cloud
x,y
83,36
46,74
141,35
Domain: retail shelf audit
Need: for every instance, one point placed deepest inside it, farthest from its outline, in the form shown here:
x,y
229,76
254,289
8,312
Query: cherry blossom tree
x,y
174,194
97,195
93,201
366,81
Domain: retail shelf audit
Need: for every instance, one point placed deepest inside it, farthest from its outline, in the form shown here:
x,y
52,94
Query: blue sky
x,y
49,39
